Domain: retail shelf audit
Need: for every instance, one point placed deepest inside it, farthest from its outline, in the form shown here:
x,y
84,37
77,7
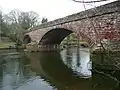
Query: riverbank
x,y
107,63
5,45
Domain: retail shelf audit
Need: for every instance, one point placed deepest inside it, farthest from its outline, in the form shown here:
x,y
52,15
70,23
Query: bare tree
x,y
19,21
44,20
28,19
24,19
13,16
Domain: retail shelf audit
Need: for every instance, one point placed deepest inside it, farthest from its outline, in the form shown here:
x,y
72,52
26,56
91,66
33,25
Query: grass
x,y
6,44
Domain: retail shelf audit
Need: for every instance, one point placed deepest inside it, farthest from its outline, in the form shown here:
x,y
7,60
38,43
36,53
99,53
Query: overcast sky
x,y
51,9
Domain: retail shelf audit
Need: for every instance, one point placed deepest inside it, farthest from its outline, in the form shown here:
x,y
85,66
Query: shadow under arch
x,y
26,39
54,36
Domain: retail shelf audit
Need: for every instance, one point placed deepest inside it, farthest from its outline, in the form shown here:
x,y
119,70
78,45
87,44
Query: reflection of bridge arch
x,y
51,68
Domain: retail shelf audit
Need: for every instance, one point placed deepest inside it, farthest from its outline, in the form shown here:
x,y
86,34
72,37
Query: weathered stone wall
x,y
98,11
93,25
112,45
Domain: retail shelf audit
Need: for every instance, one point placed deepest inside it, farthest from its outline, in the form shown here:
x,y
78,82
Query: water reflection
x,y
50,71
78,59
17,75
55,71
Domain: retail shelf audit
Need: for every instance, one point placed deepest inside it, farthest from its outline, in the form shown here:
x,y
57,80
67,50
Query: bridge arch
x,y
27,39
54,36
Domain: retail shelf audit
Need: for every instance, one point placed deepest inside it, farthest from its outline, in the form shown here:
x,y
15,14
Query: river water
x,y
69,69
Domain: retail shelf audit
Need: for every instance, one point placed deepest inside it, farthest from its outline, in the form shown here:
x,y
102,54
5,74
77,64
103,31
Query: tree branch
x,y
94,1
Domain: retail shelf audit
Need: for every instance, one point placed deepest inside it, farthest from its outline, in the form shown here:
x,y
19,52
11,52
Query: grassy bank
x,y
6,44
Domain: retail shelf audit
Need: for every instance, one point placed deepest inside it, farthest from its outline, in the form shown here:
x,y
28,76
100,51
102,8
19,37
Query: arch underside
x,y
26,39
54,36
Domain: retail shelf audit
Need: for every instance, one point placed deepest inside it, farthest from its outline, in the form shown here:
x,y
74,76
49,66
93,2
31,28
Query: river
x,y
69,69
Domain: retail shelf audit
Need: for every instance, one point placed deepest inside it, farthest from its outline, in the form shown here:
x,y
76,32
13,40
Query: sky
x,y
51,9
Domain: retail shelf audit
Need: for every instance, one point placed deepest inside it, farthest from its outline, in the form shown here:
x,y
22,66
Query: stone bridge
x,y
93,25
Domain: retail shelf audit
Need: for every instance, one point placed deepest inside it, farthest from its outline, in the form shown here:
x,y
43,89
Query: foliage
x,y
21,20
16,22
